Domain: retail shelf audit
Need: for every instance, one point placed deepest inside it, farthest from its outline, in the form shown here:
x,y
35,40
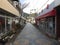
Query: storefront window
x,y
51,25
2,25
8,24
42,25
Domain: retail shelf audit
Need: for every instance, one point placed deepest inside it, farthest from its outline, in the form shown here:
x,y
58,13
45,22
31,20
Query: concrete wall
x,y
51,6
4,4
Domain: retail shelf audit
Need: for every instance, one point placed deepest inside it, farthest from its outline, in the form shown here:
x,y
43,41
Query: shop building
x,y
48,20
9,10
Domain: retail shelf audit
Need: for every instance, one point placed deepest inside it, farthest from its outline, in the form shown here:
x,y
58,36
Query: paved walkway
x,y
32,36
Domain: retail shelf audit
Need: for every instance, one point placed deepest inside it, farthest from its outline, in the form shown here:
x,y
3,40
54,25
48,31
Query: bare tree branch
x,y
25,5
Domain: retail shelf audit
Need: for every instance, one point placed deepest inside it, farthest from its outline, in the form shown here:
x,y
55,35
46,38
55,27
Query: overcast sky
x,y
35,4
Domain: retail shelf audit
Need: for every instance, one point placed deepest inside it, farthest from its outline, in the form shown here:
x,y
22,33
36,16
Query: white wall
x,y
51,6
57,2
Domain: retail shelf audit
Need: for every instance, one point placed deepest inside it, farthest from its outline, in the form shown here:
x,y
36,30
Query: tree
x,y
23,7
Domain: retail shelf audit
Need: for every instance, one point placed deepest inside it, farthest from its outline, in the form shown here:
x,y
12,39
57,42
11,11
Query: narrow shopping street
x,y
29,22
32,36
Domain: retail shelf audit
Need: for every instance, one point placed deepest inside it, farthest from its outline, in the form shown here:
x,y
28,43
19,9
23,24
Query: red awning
x,y
51,13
